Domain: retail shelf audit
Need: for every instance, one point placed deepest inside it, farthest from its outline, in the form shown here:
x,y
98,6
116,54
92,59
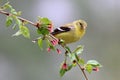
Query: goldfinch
x,y
71,32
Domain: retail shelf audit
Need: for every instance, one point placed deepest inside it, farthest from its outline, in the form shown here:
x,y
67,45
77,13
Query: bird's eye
x,y
81,25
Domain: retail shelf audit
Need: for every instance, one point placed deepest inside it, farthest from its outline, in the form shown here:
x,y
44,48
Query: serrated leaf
x,y
40,43
25,31
44,20
81,61
78,50
13,11
62,72
43,31
9,21
88,68
94,63
17,33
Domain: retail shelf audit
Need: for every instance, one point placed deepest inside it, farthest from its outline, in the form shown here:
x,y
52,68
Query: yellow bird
x,y
71,32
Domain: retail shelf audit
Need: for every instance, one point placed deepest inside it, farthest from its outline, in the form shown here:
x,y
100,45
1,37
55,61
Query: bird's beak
x,y
84,27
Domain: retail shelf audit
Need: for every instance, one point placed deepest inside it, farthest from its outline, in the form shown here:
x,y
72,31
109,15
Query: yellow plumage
x,y
71,32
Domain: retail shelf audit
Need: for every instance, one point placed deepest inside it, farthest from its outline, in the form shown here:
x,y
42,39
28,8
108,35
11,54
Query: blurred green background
x,y
20,59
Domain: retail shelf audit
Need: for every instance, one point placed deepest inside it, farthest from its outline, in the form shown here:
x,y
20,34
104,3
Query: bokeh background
x,y
20,59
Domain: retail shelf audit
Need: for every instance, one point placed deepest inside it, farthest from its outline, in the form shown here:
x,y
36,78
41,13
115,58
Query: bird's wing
x,y
61,30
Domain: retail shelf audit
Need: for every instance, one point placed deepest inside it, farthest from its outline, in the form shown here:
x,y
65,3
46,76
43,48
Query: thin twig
x,y
20,18
82,69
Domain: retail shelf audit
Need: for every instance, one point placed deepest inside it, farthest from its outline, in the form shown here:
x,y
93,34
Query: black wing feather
x,y
60,30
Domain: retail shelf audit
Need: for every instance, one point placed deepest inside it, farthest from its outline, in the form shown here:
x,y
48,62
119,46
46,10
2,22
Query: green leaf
x,y
17,33
13,11
18,22
94,63
40,42
44,20
78,50
14,26
62,72
89,68
51,46
43,31
38,31
72,57
69,67
67,49
77,57
25,31
81,61
9,21
6,6
19,13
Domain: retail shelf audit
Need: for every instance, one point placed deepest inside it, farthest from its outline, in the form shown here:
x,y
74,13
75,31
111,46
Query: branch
x,y
82,69
20,18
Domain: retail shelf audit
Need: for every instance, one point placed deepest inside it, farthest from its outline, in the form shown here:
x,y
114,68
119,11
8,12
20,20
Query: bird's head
x,y
81,23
